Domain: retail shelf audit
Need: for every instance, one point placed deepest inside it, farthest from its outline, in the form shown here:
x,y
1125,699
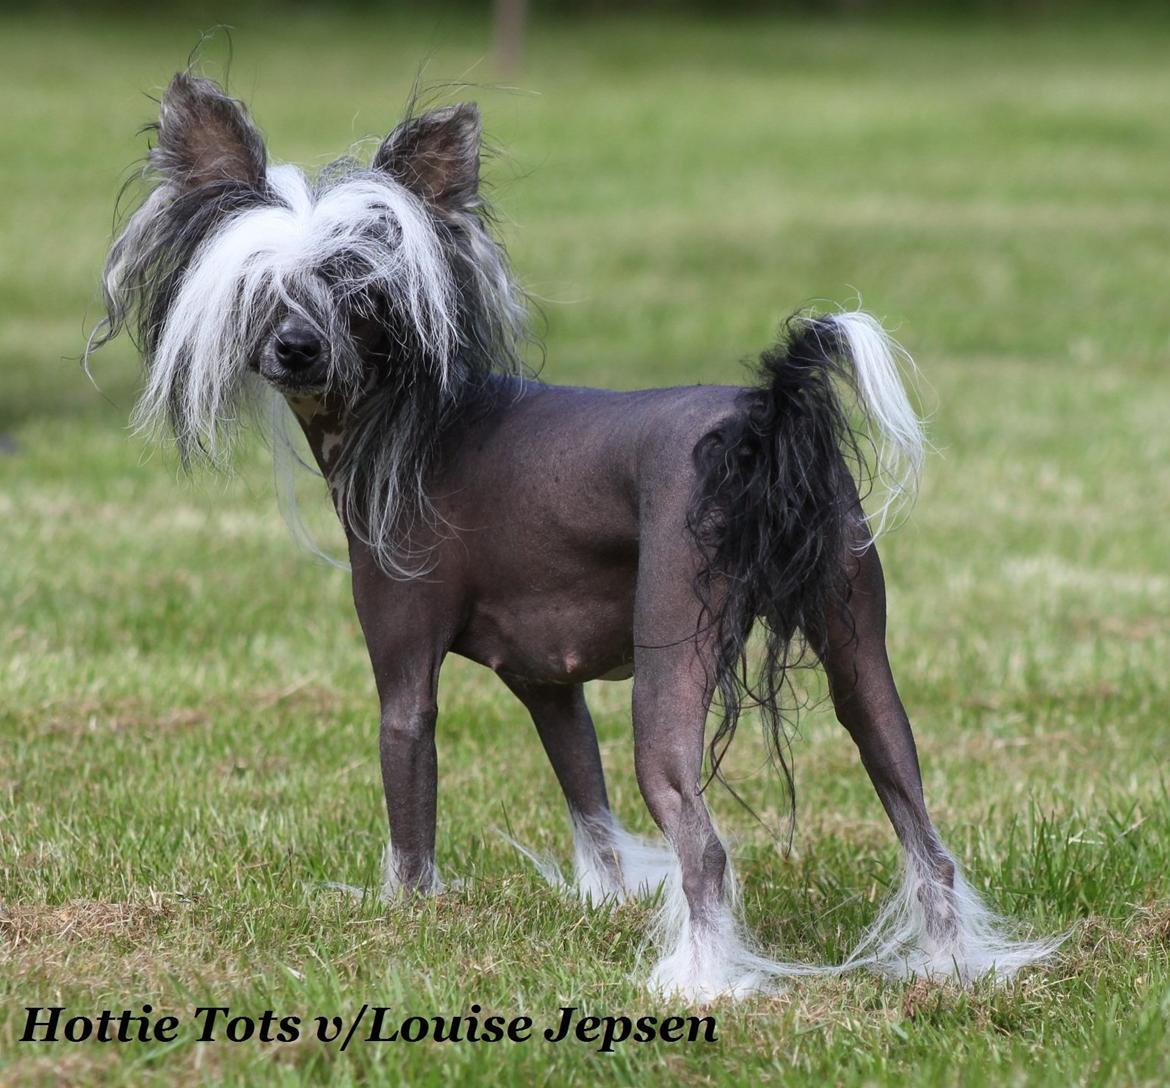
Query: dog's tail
x,y
776,509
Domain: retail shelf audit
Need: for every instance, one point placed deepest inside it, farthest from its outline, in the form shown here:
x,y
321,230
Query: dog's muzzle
x,y
296,356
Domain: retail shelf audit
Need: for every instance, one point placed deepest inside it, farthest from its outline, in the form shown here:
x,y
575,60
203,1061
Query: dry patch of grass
x,y
81,921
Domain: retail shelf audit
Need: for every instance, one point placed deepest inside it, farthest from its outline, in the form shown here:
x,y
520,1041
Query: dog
x,y
554,535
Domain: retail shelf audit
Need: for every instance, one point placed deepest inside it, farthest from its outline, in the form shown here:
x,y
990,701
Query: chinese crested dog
x,y
555,535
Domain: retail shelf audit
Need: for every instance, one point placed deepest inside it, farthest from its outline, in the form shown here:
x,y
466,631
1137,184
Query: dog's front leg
x,y
407,629
410,778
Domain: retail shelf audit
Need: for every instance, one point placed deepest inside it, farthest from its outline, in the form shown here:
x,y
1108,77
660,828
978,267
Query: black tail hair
x,y
775,513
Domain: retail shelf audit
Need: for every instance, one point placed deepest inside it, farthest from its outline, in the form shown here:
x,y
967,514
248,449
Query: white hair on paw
x,y
609,862
700,960
931,929
695,963
392,885
544,864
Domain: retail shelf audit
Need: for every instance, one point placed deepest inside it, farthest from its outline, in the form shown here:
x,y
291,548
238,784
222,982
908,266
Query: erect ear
x,y
436,156
204,136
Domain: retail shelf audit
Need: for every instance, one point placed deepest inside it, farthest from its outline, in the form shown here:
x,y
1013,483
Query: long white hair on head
x,y
224,246
371,234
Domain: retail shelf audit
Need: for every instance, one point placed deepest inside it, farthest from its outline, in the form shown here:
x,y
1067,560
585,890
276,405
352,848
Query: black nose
x,y
297,348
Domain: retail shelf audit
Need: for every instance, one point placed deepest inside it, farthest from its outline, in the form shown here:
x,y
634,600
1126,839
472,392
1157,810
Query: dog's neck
x,y
324,426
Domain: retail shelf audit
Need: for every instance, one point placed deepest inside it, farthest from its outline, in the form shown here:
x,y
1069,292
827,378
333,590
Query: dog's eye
x,y
369,332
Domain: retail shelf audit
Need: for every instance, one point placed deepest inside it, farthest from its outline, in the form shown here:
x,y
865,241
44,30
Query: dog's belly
x,y
556,494
559,638
622,672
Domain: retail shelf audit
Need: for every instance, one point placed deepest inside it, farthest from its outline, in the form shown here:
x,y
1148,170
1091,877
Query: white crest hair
x,y
268,259
202,275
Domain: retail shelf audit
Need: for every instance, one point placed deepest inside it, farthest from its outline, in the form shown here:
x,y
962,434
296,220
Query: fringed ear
x,y
436,156
205,137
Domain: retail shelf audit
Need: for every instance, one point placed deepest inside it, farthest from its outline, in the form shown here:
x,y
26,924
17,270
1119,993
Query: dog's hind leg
x,y
607,860
565,727
704,951
935,925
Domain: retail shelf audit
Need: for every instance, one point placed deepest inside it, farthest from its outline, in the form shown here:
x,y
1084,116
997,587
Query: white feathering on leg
x,y
929,930
702,960
644,864
392,886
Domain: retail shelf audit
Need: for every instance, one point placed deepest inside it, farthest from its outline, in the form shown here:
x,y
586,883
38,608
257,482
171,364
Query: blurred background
x,y
180,685
673,179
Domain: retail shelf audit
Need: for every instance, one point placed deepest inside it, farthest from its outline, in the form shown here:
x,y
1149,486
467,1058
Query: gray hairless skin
x,y
566,560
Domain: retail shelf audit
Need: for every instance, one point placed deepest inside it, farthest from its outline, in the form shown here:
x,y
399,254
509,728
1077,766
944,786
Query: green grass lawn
x,y
189,730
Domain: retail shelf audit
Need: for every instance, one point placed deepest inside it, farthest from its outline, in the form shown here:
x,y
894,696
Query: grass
x,y
188,723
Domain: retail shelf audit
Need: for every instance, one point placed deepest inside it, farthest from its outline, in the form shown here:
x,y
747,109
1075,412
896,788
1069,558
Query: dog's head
x,y
234,272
